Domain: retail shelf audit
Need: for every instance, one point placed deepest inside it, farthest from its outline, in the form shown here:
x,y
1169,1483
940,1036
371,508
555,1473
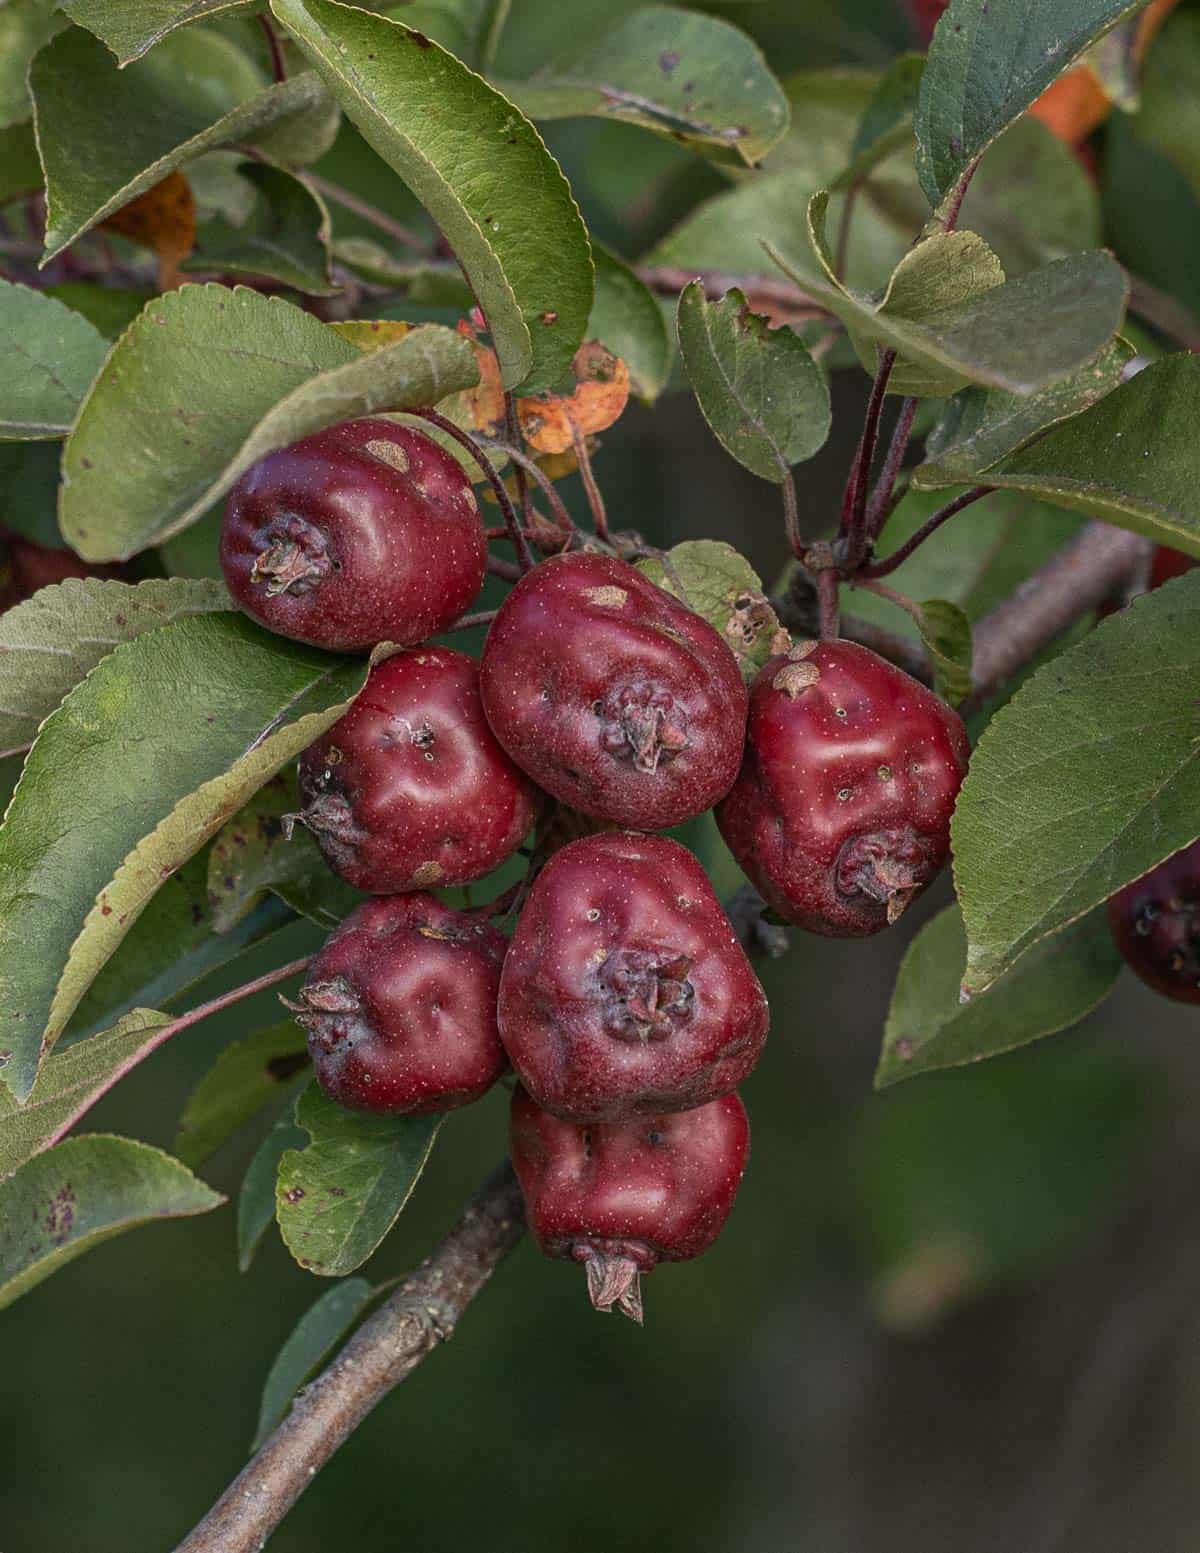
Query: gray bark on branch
x,y
389,1345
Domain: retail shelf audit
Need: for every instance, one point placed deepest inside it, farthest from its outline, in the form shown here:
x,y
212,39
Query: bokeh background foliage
x,y
961,1311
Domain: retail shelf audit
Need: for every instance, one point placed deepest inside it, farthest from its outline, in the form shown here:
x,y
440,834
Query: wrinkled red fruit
x,y
925,15
841,812
1167,563
625,992
367,532
399,1007
1155,922
33,566
612,695
622,1197
410,789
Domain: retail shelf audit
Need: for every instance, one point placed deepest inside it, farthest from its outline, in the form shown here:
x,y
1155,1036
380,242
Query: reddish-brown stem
x,y
882,503
482,618
948,220
791,512
784,300
515,532
854,503
595,499
89,1096
930,526
512,430
893,595
509,571
531,467
275,48
363,208
842,251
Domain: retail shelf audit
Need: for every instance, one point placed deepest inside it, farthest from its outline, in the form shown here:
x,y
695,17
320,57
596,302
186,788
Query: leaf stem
x,y
515,532
893,595
465,622
531,467
854,501
882,502
275,47
791,511
930,526
368,212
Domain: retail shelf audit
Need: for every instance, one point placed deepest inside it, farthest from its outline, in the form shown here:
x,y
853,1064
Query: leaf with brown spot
x,y
599,399
162,219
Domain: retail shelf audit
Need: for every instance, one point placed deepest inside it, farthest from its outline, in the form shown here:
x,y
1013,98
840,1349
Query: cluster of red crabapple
x,y
623,1002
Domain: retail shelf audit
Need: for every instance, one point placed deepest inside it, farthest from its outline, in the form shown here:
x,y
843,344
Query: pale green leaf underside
x,y
1085,780
63,1202
318,1332
1053,987
48,357
130,29
54,639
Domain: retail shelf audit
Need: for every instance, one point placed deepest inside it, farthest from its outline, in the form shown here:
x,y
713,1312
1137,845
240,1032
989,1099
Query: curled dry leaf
x,y
601,394
162,219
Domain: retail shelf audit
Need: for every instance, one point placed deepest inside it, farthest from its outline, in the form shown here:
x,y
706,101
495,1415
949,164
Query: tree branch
x,y
783,300
385,1350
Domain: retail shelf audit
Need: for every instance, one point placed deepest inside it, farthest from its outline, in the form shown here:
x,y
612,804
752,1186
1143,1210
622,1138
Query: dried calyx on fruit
x,y
399,1007
1156,925
625,992
841,812
364,533
410,788
611,695
622,1197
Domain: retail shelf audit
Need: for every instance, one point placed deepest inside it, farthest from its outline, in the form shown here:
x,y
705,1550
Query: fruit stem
x,y
522,460
515,532
465,622
791,511
854,503
885,496
595,499
930,526
893,595
512,430
828,590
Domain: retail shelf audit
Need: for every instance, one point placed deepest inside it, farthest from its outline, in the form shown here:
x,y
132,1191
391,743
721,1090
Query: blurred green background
x,y
961,1314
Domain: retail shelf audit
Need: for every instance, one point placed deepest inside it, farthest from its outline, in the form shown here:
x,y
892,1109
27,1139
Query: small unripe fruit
x,y
410,789
841,812
1155,922
399,1007
366,532
622,1197
611,695
625,992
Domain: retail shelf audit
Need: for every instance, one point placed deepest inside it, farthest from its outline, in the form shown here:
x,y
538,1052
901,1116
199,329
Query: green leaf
x,y
132,30
720,585
986,65
626,317
71,1081
479,168
286,238
946,632
48,357
256,1198
1130,460
20,170
319,1331
254,853
142,763
246,1077
762,394
1085,780
953,319
169,949
195,92
979,427
62,1203
1169,120
695,78
336,1199
56,638
111,309
208,381
1053,987
887,120
24,26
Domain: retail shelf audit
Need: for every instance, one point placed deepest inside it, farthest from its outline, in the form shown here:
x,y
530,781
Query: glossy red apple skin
x,y
364,533
399,1007
612,696
410,788
841,812
1155,923
625,992
658,1189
